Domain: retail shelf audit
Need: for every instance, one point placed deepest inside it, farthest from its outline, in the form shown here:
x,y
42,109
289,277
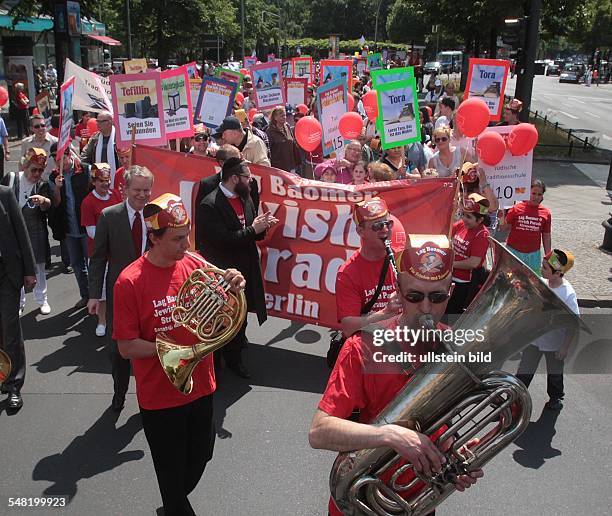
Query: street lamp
x,y
376,24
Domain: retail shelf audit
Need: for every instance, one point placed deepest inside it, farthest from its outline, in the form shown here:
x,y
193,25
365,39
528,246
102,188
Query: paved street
x,y
587,110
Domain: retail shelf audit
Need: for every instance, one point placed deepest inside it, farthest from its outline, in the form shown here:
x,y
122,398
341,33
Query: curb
x,y
595,302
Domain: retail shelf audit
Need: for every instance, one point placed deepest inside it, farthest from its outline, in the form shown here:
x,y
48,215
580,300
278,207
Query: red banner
x,y
301,255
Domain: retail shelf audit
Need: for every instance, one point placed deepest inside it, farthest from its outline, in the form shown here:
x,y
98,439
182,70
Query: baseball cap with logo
x,y
166,211
469,173
559,260
101,171
36,155
426,257
371,209
476,203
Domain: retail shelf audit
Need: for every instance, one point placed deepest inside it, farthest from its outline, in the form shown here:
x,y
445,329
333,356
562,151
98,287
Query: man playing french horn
x,y
359,383
179,427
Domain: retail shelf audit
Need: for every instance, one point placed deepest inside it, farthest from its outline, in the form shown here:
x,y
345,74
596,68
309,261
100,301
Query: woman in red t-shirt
x,y
81,131
99,198
470,243
530,226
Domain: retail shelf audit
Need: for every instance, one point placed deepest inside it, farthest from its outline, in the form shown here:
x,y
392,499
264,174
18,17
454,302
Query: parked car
x,y
571,73
553,70
432,66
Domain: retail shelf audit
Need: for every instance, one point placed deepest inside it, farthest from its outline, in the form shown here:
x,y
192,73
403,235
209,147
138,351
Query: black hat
x,y
229,122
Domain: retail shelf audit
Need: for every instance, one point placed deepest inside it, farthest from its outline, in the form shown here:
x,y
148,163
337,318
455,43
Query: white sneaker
x,y
100,330
45,309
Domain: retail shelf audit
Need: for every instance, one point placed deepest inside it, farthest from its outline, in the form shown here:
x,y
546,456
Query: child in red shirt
x,y
529,224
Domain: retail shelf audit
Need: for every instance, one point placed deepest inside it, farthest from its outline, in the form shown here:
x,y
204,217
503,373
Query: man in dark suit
x,y
16,270
226,236
120,239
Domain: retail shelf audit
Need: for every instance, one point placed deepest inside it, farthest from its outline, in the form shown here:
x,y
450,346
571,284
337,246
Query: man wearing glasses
x,y
39,139
199,145
101,146
228,239
359,382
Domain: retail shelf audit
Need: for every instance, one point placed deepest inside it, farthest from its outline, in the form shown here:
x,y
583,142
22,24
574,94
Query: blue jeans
x,y
77,250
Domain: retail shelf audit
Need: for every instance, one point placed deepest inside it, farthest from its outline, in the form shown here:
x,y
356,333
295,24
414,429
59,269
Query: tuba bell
x,y
206,307
457,401
5,366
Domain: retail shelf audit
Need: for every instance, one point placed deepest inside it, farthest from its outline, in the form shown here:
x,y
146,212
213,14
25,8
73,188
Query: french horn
x,y
212,312
457,401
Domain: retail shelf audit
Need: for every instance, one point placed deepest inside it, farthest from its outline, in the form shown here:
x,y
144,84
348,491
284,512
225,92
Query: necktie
x,y
137,234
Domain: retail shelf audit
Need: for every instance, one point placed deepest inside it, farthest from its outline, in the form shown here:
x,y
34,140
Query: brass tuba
x,y
5,366
465,400
207,307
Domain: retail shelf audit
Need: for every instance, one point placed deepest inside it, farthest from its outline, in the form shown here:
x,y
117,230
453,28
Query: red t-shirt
x,y
22,101
81,131
91,207
356,283
468,243
528,224
357,383
236,203
144,297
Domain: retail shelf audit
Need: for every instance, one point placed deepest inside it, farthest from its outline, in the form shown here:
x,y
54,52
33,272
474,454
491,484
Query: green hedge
x,y
321,46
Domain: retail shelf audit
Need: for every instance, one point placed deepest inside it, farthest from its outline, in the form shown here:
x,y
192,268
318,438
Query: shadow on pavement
x,y
554,176
96,451
536,441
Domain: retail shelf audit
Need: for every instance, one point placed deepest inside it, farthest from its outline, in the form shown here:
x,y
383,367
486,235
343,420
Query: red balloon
x,y
4,96
308,133
302,109
491,148
398,235
522,139
350,125
240,98
351,103
92,126
370,104
472,117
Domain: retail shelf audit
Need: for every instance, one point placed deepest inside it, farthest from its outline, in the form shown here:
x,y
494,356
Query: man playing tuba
x,y
179,427
361,381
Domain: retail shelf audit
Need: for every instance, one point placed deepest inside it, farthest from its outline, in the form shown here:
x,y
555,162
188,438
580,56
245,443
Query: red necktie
x,y
137,234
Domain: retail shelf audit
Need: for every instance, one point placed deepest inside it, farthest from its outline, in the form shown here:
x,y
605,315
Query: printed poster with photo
x,y
332,69
215,101
192,70
177,106
66,117
398,121
268,85
395,74
295,91
137,102
374,61
361,66
302,68
332,104
43,104
249,61
510,179
229,75
195,85
487,80
287,69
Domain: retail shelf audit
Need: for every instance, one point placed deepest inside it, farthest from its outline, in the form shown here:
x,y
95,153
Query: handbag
x,y
337,337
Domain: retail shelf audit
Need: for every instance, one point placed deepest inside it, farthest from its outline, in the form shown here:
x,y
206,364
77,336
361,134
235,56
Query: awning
x,y
105,39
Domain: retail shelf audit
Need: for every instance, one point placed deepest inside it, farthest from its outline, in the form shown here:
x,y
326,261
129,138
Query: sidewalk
x,y
579,202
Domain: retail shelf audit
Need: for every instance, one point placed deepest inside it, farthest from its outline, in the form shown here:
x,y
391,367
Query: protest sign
x,y
361,66
195,85
395,74
332,103
487,80
271,57
178,119
332,69
287,69
510,179
268,85
66,118
137,102
192,71
250,61
135,66
215,101
295,91
302,68
301,254
44,107
88,95
398,121
229,75
374,61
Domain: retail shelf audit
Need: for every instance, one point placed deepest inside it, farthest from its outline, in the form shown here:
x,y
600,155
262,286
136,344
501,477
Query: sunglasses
x,y
201,138
382,224
414,296
443,139
38,126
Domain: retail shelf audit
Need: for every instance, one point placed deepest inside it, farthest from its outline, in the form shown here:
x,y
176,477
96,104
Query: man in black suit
x,y
120,239
226,236
16,270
